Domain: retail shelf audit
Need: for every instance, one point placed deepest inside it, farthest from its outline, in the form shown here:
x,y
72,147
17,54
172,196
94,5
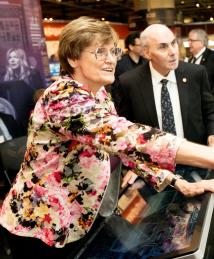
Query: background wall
x,y
52,31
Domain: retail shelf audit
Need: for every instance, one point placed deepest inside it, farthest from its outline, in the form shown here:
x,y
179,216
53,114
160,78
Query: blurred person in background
x,y
53,58
134,55
74,132
130,60
200,53
18,68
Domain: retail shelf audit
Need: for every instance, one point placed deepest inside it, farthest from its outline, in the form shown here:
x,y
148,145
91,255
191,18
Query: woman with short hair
x,y
73,132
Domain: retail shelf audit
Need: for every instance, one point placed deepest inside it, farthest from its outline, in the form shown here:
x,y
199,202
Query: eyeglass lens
x,y
102,53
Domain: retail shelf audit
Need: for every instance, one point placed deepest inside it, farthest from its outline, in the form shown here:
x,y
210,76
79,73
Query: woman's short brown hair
x,y
79,34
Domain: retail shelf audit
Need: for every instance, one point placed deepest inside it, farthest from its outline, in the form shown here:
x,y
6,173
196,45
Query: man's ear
x,y
73,63
146,53
131,47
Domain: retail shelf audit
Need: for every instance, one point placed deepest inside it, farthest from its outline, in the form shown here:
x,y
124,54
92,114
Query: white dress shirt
x,y
174,96
199,56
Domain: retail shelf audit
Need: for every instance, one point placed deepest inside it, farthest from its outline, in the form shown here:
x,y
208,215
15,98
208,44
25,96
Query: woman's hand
x,y
208,185
192,189
129,178
181,185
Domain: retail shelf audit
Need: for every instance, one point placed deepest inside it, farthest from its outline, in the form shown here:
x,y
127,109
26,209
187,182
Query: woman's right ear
x,y
73,63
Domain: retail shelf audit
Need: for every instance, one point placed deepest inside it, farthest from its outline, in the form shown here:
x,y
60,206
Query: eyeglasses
x,y
102,53
190,40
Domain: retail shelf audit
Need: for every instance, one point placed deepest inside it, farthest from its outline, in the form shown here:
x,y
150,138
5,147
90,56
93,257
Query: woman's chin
x,y
108,80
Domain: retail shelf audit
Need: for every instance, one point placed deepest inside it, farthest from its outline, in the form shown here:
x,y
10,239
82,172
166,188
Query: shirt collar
x,y
157,77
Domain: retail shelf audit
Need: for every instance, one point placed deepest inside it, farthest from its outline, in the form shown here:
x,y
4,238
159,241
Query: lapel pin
x,y
184,80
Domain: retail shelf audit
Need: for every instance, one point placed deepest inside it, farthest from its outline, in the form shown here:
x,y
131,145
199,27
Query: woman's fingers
x,y
192,189
186,188
129,178
189,189
208,185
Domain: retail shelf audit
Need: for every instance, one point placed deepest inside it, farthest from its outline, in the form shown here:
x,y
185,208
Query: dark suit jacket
x,y
125,64
197,103
207,60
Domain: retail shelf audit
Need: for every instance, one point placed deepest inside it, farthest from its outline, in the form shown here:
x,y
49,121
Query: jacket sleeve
x,y
207,103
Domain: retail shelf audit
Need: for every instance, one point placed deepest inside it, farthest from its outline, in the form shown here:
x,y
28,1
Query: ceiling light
x,y
187,20
210,43
182,2
209,6
211,19
197,5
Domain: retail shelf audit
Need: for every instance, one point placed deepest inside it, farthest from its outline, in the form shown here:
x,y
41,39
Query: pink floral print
x,y
59,188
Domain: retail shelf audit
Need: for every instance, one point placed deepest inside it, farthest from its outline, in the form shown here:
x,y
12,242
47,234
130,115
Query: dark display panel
x,y
152,225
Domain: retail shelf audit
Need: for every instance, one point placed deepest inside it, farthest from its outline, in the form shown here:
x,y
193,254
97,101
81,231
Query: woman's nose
x,y
110,57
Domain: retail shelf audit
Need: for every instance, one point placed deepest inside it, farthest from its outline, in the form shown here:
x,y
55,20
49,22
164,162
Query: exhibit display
x,y
155,225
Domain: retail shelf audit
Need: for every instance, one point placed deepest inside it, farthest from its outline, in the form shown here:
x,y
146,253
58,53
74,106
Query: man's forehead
x,y
193,34
164,40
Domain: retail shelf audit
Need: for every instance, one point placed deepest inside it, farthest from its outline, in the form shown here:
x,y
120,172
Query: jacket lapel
x,y
182,84
146,92
204,57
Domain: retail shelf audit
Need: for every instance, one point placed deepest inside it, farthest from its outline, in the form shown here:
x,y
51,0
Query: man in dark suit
x,y
133,57
188,86
198,42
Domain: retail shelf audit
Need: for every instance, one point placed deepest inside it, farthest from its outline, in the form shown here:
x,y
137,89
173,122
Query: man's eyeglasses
x,y
102,53
190,40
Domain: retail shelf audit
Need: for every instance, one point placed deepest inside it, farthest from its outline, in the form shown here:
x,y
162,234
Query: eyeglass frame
x,y
107,52
138,45
193,40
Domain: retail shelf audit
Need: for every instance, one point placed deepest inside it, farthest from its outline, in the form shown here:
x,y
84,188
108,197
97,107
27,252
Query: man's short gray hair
x,y
202,35
144,39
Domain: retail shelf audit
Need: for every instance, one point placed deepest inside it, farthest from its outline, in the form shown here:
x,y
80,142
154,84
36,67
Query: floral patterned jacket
x,y
58,191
